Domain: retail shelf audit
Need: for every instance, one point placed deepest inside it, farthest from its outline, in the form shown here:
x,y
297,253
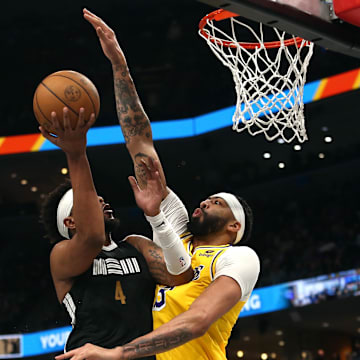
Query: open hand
x,y
71,141
149,198
92,352
107,37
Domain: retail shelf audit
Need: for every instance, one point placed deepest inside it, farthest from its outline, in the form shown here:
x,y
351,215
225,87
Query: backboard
x,y
313,20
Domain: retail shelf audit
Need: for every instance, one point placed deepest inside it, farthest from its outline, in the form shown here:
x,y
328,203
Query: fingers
x,y
146,169
81,123
134,185
94,20
156,164
91,121
48,136
67,355
55,123
100,33
66,118
152,168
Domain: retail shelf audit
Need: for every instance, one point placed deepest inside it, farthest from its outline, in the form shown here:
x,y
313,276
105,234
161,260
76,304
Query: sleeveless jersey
x,y
172,301
110,304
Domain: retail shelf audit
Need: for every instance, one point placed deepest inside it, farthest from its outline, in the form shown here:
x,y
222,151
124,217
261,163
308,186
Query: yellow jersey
x,y
172,301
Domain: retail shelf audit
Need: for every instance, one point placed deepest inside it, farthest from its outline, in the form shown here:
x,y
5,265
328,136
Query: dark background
x,y
299,210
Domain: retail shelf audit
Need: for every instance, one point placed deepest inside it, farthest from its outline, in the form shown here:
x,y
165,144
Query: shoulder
x,y
239,259
139,242
136,237
240,253
59,248
242,264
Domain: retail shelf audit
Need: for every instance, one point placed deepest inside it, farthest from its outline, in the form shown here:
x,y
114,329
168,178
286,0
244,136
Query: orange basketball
x,y
65,88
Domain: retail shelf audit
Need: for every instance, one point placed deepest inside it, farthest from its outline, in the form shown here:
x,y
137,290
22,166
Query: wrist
x,y
155,219
152,213
119,64
119,353
75,155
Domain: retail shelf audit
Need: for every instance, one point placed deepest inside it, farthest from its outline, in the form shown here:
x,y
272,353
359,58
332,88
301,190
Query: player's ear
x,y
69,222
234,226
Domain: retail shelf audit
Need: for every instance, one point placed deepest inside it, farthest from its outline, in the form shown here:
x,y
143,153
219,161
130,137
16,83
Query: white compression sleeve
x,y
176,258
175,212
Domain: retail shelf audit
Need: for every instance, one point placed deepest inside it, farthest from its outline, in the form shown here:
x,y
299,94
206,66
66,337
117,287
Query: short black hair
x,y
249,219
48,212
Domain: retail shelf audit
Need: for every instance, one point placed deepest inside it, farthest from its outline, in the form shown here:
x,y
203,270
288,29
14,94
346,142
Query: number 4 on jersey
x,y
119,294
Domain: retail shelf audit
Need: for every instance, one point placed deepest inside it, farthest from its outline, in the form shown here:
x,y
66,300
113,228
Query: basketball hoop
x,y
269,76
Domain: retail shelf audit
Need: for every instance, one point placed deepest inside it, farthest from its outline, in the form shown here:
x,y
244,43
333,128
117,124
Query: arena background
x,y
306,214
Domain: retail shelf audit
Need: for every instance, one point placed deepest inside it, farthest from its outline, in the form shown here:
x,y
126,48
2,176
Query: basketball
x,y
65,88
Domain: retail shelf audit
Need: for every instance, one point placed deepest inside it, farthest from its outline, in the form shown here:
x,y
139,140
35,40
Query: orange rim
x,y
222,14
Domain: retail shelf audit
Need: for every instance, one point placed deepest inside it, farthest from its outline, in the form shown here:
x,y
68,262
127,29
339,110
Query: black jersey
x,y
110,304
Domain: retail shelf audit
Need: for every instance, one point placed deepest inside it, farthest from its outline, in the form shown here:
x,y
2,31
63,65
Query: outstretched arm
x,y
133,120
136,128
72,257
222,294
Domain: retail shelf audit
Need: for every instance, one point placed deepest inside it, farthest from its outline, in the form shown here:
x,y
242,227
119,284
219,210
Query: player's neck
x,y
215,239
107,239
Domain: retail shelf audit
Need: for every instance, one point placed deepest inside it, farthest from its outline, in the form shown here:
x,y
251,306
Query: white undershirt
x,y
242,264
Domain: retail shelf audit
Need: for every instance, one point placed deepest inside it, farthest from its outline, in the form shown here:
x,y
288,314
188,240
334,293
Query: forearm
x,y
176,332
176,258
86,209
134,122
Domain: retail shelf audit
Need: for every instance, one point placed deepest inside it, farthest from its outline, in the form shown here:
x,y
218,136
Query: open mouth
x,y
197,212
107,210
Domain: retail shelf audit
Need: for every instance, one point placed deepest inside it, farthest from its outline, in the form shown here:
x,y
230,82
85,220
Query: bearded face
x,y
206,224
111,225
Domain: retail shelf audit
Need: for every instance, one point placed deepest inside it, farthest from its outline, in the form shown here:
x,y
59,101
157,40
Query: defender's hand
x,y
71,141
149,198
92,352
107,37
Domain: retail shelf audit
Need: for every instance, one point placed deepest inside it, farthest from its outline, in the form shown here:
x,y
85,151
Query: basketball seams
x,y
61,100
60,89
79,84
39,108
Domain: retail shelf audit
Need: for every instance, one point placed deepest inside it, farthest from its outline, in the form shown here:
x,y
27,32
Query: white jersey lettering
x,y
114,266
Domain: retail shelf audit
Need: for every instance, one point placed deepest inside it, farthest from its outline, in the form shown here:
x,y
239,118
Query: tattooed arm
x,y
154,257
222,294
133,120
136,128
163,262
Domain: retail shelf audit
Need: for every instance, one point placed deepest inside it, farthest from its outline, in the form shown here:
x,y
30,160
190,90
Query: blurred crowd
x,y
309,236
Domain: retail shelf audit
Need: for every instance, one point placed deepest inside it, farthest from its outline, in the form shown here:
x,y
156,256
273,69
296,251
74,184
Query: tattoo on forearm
x,y
125,97
123,69
133,126
157,344
140,174
157,265
133,120
139,168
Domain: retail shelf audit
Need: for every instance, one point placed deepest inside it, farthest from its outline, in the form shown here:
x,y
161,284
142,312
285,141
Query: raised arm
x,y
136,128
133,120
72,257
169,264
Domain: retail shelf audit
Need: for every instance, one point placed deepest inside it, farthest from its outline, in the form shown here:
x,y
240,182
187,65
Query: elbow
x,y
200,323
183,278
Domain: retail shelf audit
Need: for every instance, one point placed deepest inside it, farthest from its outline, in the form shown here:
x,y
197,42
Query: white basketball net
x,y
269,83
